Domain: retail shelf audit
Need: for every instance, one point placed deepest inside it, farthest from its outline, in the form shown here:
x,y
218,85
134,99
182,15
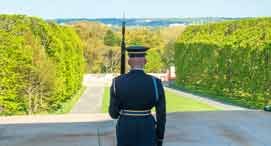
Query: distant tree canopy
x,y
41,65
111,39
102,45
161,55
170,36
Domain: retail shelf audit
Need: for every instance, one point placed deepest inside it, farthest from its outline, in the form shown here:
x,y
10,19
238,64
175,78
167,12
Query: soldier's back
x,y
135,90
135,93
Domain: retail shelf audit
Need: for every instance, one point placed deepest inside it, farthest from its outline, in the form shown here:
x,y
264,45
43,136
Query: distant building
x,y
176,24
170,74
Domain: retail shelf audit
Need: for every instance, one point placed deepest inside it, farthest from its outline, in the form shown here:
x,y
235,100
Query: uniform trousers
x,y
136,131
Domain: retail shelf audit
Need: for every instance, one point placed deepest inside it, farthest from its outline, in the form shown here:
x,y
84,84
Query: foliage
x,y
169,35
102,45
150,38
229,59
101,50
154,61
41,64
111,39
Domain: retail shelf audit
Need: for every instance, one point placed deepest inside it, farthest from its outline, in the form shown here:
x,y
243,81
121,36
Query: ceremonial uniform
x,y
132,96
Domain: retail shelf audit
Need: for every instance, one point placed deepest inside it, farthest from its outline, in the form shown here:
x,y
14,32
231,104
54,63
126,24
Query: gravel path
x,y
204,99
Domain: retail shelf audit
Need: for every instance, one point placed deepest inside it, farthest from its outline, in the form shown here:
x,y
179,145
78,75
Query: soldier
x,y
132,96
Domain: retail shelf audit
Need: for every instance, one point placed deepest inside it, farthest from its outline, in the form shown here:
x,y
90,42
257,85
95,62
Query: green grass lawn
x,y
258,103
175,103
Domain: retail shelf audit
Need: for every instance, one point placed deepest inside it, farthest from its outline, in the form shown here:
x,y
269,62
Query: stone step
x,y
216,128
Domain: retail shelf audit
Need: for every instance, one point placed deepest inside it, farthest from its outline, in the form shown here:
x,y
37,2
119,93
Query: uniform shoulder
x,y
119,77
151,76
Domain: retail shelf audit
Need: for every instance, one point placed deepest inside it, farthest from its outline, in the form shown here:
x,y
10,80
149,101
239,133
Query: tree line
x,y
230,59
102,45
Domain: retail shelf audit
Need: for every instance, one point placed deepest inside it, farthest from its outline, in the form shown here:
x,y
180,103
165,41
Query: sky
x,y
50,9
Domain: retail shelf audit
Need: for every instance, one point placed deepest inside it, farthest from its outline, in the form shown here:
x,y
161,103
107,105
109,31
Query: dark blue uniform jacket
x,y
135,91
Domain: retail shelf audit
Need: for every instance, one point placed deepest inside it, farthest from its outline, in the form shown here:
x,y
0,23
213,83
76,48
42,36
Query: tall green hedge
x,y
231,59
41,65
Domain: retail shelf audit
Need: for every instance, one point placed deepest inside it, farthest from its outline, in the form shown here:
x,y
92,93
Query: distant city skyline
x,y
50,9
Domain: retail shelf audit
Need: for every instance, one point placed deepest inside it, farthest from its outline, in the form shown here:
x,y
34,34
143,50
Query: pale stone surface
x,y
218,128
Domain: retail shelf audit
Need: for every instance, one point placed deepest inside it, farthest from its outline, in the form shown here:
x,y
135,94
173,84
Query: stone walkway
x,y
218,128
91,100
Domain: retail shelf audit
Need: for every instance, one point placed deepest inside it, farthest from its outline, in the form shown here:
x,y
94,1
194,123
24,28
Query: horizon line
x,y
120,17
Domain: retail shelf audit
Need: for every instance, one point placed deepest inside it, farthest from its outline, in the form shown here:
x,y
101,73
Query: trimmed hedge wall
x,y
41,65
230,59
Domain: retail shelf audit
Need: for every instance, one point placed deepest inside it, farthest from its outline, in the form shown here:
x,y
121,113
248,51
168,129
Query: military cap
x,y
137,51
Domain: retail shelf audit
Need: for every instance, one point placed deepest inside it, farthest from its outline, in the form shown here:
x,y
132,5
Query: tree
x,y
154,61
110,39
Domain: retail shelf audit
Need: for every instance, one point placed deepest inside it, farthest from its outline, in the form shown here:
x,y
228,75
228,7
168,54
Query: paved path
x,y
218,128
204,99
91,100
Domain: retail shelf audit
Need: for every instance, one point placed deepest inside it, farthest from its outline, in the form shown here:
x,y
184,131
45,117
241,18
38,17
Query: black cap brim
x,y
137,51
